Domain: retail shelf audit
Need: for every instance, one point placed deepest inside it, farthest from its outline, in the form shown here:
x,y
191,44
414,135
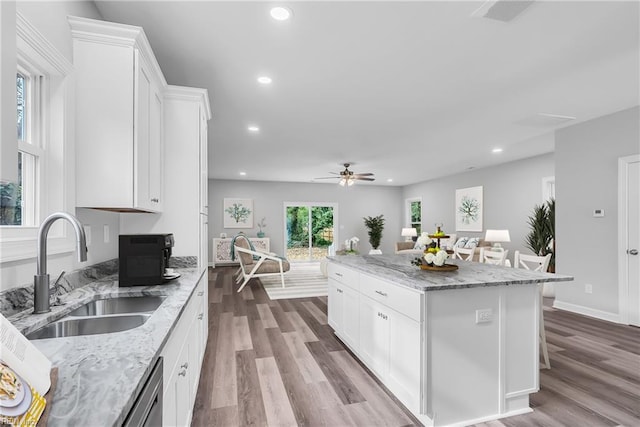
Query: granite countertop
x,y
99,376
398,269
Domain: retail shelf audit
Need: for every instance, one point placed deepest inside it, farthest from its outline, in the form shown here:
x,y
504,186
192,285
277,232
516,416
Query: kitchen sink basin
x,y
120,305
89,326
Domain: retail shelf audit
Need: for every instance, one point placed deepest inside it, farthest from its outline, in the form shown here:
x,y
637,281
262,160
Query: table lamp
x,y
496,237
409,234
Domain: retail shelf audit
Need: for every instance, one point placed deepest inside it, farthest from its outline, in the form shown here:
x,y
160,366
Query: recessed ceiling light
x,y
497,150
280,13
264,80
390,180
254,129
243,173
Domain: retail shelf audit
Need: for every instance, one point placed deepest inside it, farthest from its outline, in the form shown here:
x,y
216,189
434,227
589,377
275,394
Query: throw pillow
x,y
461,242
472,243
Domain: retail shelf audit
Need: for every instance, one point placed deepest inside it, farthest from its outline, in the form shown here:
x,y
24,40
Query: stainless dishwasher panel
x,y
147,411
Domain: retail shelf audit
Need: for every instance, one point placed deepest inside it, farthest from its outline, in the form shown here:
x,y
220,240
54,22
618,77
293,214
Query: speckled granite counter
x,y
398,269
99,376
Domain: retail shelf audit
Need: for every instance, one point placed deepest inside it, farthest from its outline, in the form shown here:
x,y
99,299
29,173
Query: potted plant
x,y
541,237
262,224
375,226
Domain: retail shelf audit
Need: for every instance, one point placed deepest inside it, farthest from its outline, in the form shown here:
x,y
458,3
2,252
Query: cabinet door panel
x,y
141,151
404,359
374,336
351,317
156,148
335,306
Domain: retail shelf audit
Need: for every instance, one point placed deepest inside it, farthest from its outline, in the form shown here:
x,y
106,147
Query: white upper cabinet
x,y
119,127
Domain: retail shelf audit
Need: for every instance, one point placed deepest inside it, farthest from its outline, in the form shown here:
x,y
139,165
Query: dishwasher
x,y
147,410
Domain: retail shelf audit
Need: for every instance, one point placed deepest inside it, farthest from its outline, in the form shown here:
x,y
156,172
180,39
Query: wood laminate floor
x,y
278,363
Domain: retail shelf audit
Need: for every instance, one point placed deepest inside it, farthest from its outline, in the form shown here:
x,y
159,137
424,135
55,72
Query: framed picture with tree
x,y
237,213
469,209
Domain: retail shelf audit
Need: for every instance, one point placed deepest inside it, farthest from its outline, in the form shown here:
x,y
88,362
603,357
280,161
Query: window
x,y
44,102
414,209
18,200
548,188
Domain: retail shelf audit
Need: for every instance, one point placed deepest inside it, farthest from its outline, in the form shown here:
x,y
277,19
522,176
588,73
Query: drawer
x,y
344,275
401,299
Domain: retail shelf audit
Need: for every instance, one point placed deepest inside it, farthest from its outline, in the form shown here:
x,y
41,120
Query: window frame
x,y
409,222
54,189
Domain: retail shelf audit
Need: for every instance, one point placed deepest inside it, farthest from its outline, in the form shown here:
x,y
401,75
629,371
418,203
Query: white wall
x,y
587,178
510,192
50,19
354,203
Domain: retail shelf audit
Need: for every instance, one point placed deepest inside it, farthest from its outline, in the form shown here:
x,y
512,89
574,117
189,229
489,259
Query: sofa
x,y
407,247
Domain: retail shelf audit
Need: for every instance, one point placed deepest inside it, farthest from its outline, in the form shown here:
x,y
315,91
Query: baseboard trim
x,y
586,311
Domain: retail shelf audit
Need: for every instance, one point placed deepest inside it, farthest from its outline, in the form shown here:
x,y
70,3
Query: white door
x,y
629,229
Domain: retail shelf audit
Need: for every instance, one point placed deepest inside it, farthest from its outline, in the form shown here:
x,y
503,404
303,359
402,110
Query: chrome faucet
x,y
41,279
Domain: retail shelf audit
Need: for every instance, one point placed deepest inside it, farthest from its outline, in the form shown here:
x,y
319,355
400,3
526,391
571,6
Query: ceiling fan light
x,y
350,182
342,182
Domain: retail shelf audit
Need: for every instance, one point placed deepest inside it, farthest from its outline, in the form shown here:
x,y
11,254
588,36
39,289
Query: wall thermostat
x,y
597,213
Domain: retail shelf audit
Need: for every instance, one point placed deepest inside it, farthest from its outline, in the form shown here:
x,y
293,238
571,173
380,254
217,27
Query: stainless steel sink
x,y
89,326
120,305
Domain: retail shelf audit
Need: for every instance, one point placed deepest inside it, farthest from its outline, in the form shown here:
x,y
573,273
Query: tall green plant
x,y
541,237
375,225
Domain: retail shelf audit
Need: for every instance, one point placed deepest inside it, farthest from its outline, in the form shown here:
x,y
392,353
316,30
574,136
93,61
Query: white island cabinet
x,y
422,334
119,117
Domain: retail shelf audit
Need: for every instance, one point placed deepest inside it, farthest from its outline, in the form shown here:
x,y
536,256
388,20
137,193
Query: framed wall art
x,y
237,213
469,209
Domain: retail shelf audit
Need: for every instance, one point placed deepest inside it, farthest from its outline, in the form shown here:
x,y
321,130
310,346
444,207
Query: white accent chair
x,y
463,254
489,256
257,264
536,263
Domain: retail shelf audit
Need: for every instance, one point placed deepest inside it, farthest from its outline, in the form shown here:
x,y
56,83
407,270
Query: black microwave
x,y
143,258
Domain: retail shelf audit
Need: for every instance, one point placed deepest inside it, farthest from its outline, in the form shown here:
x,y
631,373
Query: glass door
x,y
309,230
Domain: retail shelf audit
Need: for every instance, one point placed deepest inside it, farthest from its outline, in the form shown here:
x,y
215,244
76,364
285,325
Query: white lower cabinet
x,y
183,354
385,339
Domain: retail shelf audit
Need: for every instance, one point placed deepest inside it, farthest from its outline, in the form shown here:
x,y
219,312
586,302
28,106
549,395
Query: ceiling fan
x,y
348,178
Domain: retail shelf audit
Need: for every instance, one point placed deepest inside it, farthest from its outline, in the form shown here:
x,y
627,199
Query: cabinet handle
x,y
183,373
200,293
339,290
154,200
381,293
338,274
200,316
185,366
382,316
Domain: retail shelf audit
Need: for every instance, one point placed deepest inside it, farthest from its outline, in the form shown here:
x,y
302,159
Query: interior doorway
x,y
629,239
310,230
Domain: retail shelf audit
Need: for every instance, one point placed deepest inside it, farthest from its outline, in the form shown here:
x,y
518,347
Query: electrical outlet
x,y
484,315
87,234
106,233
588,288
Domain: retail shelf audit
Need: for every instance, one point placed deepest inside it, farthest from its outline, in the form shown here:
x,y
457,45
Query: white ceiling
x,y
406,90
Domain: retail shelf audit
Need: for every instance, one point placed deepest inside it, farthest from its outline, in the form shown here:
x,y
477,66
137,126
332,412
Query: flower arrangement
x,y
435,258
352,244
424,240
262,224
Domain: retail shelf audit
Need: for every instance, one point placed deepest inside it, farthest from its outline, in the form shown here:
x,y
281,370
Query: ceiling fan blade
x,y
328,177
363,174
363,179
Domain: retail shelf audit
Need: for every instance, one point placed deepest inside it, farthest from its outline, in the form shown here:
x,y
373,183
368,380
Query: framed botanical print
x,y
237,213
469,209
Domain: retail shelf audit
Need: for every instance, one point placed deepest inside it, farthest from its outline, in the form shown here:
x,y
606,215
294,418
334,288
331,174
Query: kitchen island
x,y
456,348
100,376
